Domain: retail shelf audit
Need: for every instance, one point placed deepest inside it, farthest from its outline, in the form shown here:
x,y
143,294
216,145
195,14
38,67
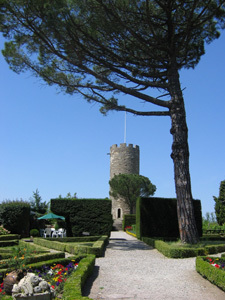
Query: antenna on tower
x,y
125,127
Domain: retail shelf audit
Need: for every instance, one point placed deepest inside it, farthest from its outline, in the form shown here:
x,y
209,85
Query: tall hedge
x,y
220,204
15,217
92,216
157,217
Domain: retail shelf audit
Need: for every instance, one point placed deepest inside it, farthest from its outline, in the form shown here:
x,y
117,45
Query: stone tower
x,y
123,160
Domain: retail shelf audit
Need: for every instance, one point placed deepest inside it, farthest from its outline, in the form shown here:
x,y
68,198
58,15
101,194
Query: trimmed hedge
x,y
85,215
33,247
73,286
158,217
9,243
9,237
128,220
35,259
9,240
97,248
214,275
179,252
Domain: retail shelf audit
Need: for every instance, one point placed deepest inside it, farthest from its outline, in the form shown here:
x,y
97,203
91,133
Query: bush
x,y
34,232
15,217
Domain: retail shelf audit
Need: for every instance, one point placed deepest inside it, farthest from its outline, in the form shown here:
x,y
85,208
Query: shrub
x,y
34,232
15,217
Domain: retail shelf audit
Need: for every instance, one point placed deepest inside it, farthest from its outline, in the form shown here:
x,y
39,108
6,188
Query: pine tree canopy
x,y
99,48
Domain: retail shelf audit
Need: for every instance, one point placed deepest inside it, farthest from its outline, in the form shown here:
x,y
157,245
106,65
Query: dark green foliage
x,y
214,275
84,215
128,220
15,217
157,217
130,187
34,232
37,205
220,204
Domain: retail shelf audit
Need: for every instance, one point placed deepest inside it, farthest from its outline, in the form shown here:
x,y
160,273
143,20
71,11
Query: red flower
x,y
217,266
0,290
53,286
210,259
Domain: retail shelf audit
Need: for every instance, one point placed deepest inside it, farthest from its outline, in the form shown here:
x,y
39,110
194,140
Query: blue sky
x,y
58,143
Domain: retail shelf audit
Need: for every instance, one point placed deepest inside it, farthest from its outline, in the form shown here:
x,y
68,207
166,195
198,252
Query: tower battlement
x,y
124,159
124,145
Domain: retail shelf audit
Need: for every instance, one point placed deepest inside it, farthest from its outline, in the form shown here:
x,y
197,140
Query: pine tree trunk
x,y
180,156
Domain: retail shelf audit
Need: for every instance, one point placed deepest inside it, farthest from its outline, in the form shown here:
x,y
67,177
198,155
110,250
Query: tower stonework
x,y
124,159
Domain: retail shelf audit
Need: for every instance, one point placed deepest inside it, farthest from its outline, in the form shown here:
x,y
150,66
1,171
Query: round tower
x,y
123,160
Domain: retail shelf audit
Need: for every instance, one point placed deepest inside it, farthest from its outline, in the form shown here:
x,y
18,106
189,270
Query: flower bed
x,y
55,275
212,268
66,280
129,230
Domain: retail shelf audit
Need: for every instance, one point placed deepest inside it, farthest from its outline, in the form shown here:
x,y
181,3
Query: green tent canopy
x,y
51,216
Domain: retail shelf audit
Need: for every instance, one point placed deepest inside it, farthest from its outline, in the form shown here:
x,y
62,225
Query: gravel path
x,y
132,270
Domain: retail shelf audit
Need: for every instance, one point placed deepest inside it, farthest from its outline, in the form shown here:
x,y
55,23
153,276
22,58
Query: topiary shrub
x,y
34,232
